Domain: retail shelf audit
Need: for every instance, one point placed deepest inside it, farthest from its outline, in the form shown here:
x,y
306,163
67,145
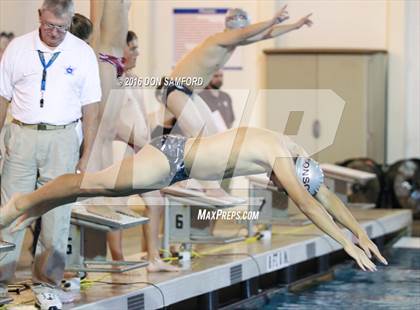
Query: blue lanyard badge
x,y
44,73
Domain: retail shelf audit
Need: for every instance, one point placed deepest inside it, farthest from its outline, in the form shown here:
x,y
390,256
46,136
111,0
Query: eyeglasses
x,y
51,27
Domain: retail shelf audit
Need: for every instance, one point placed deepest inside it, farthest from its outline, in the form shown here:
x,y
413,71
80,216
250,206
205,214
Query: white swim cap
x,y
309,174
236,18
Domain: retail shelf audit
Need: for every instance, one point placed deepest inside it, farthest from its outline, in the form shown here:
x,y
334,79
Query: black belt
x,y
42,126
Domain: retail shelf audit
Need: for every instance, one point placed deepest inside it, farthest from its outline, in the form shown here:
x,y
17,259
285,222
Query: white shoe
x,y
72,284
46,298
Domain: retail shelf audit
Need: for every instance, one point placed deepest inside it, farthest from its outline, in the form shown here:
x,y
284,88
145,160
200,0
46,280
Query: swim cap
x,y
309,174
236,18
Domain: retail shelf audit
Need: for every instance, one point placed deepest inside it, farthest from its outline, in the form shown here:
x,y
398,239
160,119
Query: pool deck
x,y
222,266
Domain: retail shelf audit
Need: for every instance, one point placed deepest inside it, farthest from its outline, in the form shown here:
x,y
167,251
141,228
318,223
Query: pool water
x,y
396,286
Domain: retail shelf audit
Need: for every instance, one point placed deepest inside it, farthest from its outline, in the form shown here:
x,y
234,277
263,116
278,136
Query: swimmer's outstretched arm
x,y
278,30
96,12
235,37
339,211
285,177
334,206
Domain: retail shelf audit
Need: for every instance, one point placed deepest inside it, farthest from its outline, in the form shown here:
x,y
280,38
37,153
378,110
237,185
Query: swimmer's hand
x,y
303,21
360,257
369,247
281,15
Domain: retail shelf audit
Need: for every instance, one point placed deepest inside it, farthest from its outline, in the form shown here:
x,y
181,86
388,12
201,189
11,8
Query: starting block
x,y
87,246
179,207
6,246
341,180
277,208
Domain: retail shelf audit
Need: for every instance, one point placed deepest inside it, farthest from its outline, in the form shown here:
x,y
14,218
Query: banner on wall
x,y
193,25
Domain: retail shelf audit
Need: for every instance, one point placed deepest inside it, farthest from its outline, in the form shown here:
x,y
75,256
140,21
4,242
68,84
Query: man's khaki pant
x,y
32,158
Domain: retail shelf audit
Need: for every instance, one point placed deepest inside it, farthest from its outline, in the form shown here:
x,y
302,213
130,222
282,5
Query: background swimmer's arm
x,y
235,37
96,12
278,30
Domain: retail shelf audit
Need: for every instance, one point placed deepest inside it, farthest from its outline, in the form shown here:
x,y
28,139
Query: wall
x,y
392,25
396,81
339,24
21,16
412,75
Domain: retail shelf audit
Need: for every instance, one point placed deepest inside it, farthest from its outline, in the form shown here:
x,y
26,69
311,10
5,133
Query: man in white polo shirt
x,y
51,80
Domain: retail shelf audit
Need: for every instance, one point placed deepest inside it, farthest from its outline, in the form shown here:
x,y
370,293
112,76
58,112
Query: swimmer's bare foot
x,y
192,184
158,265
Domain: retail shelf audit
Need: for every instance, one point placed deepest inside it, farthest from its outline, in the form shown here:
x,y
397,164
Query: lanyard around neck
x,y
44,72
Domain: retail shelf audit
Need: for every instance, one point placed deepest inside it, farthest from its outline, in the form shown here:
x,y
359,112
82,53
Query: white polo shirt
x,y
72,79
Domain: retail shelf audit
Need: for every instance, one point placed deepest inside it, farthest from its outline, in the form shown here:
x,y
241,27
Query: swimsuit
x,y
172,87
173,148
117,62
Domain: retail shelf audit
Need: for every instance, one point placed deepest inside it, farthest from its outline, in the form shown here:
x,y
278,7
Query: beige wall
x,y
20,16
412,75
396,81
340,24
